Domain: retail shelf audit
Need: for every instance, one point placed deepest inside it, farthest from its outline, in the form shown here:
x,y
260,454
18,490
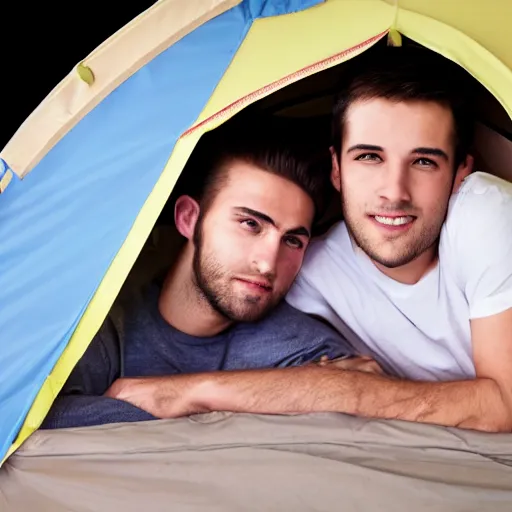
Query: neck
x,y
411,272
183,306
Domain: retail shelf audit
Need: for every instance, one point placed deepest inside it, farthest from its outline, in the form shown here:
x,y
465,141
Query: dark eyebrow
x,y
366,147
300,231
431,152
255,213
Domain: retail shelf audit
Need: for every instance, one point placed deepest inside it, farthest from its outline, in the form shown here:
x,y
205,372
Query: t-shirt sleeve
x,y
99,366
81,401
71,411
483,245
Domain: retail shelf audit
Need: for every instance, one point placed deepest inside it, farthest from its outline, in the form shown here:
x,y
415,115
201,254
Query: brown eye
x,y
369,157
425,162
250,225
293,242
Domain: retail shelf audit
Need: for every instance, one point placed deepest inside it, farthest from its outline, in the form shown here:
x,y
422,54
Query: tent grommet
x,y
85,73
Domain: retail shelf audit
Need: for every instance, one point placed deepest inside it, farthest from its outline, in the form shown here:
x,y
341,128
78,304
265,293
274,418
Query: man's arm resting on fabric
x,y
473,404
484,403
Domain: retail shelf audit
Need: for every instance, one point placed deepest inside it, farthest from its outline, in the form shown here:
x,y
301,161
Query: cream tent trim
x,y
125,52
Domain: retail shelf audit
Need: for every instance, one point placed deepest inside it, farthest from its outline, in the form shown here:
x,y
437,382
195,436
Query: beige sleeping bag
x,y
237,462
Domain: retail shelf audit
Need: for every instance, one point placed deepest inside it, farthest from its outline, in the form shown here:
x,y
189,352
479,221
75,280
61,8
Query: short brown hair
x,y
280,146
407,74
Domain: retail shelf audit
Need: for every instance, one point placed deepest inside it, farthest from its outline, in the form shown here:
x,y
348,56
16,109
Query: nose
x,y
265,256
394,186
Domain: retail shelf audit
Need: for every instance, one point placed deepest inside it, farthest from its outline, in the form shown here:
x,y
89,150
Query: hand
x,y
163,397
359,363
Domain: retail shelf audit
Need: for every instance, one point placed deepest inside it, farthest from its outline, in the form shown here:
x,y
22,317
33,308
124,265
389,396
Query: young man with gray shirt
x,y
220,306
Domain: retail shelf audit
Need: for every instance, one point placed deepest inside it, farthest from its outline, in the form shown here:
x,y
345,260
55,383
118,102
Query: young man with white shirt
x,y
420,268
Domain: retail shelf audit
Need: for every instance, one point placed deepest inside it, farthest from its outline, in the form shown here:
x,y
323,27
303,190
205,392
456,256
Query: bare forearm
x,y
474,404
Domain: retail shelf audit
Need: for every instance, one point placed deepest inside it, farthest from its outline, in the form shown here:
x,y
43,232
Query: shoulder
x,y
482,198
327,258
325,252
285,312
286,337
479,217
477,242
288,322
322,245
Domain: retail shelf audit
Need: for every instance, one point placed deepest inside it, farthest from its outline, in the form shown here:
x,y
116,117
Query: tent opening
x,y
309,101
92,215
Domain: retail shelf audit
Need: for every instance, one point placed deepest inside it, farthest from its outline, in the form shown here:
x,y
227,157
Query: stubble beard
x,y
212,283
408,247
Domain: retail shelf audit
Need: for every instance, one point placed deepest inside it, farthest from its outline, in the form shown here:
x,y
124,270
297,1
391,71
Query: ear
x,y
464,170
335,171
186,213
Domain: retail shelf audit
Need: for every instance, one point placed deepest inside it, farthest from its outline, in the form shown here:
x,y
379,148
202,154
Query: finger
x,y
323,360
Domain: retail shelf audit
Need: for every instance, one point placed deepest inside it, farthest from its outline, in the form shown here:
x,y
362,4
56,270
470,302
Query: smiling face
x,y
250,244
396,175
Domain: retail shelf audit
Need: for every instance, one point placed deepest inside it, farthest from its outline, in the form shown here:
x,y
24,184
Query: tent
x,y
85,177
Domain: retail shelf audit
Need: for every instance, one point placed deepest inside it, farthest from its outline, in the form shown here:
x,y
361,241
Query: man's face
x,y
396,175
250,244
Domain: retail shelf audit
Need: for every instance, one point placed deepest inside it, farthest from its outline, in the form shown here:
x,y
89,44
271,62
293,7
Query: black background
x,y
41,42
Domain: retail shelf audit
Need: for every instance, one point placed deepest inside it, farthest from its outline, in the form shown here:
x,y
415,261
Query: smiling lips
x,y
394,222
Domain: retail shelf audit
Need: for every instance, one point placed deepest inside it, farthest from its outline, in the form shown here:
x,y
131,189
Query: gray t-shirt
x,y
135,341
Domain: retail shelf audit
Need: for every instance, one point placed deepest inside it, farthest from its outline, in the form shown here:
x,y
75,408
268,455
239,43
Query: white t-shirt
x,y
419,331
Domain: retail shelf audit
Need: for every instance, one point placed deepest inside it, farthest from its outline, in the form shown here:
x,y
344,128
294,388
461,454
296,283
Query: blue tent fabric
x,y
267,8
62,226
